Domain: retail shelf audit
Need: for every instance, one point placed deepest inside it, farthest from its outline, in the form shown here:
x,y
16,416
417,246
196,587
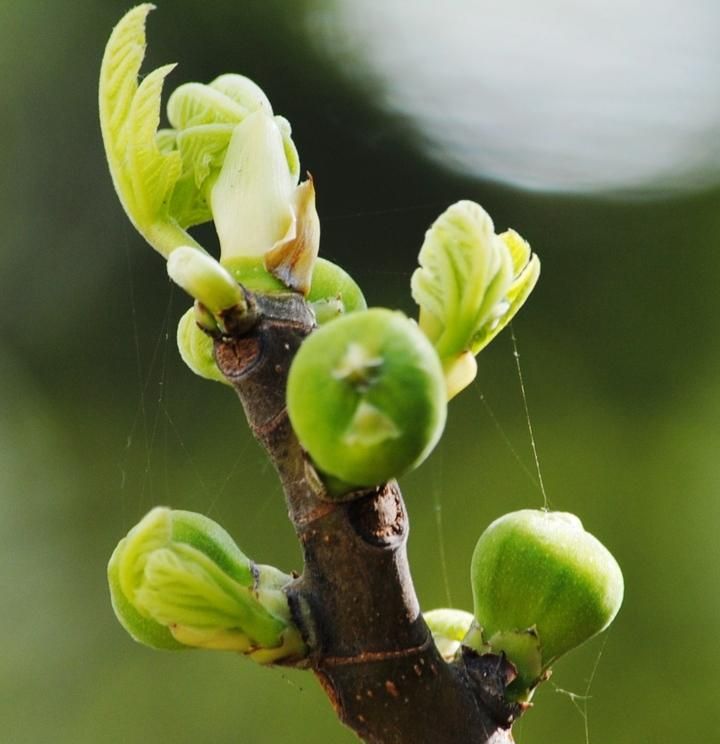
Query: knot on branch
x,y
236,356
491,675
379,517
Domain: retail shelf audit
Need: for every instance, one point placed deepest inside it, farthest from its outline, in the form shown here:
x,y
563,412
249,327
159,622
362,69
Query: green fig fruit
x,y
330,283
366,397
196,348
542,585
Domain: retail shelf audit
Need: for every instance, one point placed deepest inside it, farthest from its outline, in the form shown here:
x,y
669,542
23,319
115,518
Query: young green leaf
x,y
227,157
202,149
243,91
178,580
144,175
526,270
195,104
469,285
204,117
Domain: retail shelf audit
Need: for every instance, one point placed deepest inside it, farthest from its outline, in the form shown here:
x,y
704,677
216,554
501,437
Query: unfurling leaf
x,y
470,284
178,580
225,157
144,175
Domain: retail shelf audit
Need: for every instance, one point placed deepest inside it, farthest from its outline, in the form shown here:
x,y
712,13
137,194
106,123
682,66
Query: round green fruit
x,y
366,397
542,585
196,348
333,291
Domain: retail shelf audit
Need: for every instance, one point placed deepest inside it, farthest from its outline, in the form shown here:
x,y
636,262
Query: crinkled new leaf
x,y
469,285
144,173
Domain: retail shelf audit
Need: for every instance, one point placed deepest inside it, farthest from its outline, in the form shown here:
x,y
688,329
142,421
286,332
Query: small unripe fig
x,y
196,348
332,290
542,585
366,397
449,627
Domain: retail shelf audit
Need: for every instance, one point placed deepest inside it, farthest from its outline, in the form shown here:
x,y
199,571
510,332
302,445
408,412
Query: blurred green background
x,y
99,420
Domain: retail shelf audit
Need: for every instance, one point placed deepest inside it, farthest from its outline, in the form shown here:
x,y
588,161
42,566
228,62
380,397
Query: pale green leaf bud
x,y
165,178
470,284
178,580
333,292
251,198
448,628
203,278
542,585
243,91
291,152
195,104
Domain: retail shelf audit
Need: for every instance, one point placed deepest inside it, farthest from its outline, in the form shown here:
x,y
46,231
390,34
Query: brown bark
x,y
354,602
